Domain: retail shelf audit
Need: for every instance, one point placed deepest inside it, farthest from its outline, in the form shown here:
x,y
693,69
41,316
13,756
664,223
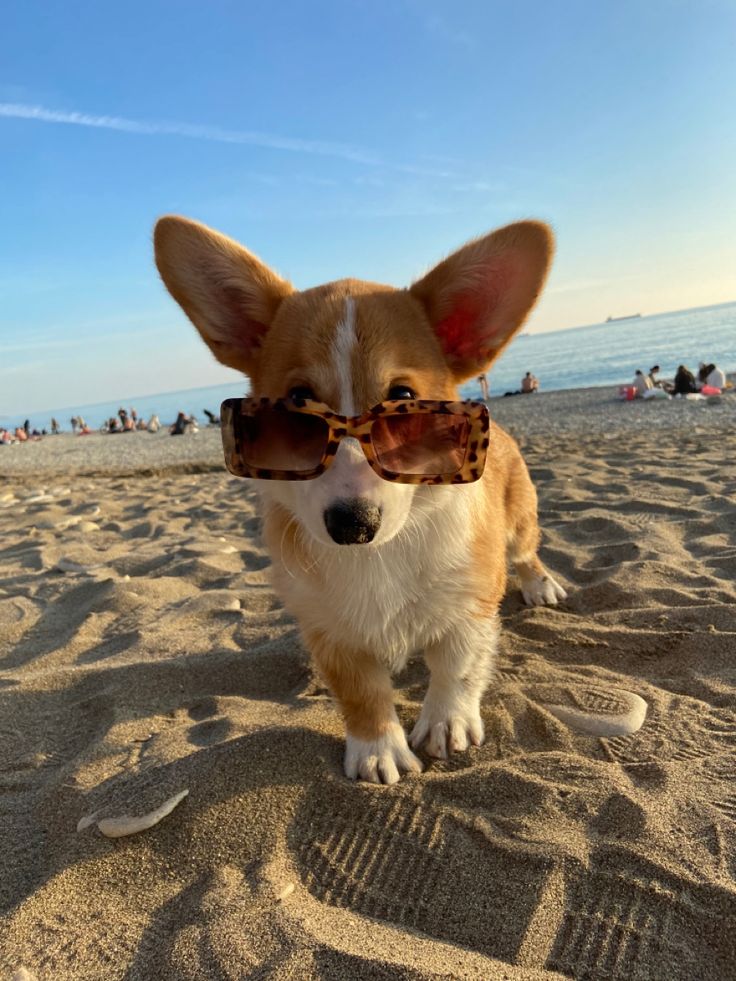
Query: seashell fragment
x,y
285,892
88,526
122,826
69,565
66,523
208,548
85,822
60,525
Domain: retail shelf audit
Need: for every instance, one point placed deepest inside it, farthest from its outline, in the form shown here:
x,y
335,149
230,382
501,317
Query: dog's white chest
x,y
388,601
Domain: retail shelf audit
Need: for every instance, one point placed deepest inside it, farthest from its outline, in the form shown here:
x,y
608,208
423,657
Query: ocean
x,y
599,354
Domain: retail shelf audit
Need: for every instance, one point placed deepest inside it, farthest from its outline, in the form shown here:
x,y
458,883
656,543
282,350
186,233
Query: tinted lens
x,y
277,439
421,443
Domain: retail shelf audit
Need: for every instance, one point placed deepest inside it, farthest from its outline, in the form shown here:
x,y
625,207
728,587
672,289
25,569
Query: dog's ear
x,y
230,296
478,297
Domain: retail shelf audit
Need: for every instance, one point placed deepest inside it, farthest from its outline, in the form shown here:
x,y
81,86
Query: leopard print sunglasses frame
x,y
234,412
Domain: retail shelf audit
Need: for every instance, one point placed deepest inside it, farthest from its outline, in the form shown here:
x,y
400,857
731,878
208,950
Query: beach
x,y
143,653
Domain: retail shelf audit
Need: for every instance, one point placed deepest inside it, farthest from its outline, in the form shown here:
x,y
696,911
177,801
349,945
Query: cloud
x,y
271,141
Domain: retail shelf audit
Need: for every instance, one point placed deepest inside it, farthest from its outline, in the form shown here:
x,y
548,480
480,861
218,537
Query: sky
x,y
335,138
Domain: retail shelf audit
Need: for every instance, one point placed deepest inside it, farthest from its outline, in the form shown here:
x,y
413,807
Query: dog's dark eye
x,y
302,392
401,392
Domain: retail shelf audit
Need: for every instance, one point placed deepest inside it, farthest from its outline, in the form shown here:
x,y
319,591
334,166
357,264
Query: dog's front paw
x,y
447,732
542,590
381,760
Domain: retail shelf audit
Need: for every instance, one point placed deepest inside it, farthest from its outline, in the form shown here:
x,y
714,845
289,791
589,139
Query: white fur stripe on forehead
x,y
342,358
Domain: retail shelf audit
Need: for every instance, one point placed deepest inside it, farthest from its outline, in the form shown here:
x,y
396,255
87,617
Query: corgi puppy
x,y
376,570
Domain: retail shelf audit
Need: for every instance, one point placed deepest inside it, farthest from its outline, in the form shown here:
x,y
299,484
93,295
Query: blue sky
x,y
348,137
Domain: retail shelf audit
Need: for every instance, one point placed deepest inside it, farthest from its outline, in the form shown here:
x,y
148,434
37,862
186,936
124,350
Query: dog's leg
x,y
376,748
460,666
537,585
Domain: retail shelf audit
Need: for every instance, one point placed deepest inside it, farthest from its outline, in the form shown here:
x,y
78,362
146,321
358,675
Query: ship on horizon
x,y
629,316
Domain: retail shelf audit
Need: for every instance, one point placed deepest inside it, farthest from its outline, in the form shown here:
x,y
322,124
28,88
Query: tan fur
x,y
230,296
446,327
361,685
397,345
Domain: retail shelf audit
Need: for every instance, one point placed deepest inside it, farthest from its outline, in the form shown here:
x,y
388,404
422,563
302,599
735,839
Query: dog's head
x,y
352,344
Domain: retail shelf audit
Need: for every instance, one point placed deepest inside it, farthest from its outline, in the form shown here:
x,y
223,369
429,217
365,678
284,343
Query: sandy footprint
x,y
678,729
625,915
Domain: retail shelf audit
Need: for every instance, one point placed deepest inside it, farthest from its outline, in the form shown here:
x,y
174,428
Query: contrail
x,y
15,110
341,151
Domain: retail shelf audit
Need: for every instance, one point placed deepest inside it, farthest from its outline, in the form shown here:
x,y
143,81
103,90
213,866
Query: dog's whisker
x,y
307,546
287,526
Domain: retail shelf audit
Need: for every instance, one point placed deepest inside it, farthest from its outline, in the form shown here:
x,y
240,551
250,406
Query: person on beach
x,y
211,417
642,383
483,382
716,377
656,381
529,384
154,424
55,427
684,382
181,425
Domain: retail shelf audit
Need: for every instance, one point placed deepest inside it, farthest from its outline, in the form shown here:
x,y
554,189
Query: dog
x,y
373,567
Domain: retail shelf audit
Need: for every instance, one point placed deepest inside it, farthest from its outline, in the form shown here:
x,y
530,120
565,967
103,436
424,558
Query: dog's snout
x,y
352,521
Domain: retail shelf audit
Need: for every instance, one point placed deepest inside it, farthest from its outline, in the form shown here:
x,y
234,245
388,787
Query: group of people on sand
x,y
529,385
184,424
79,426
21,434
189,424
710,380
128,422
124,422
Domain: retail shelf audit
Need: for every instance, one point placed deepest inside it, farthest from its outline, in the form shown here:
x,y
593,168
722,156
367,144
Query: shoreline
x,y
102,410
589,414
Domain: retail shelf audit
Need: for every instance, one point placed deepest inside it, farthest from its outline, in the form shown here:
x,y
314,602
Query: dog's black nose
x,y
352,521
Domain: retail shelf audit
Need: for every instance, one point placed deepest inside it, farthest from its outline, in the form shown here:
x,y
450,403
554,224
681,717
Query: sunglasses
x,y
406,441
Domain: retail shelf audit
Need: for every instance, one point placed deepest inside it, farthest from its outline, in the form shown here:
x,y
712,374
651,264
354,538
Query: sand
x,y
160,661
